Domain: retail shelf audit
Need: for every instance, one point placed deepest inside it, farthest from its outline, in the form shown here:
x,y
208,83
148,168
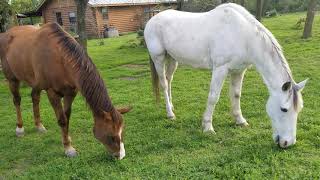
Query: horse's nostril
x,y
285,143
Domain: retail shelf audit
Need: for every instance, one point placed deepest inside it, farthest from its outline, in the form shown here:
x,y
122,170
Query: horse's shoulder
x,y
21,29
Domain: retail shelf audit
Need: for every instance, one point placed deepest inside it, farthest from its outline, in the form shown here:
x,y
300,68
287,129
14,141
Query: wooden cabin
x,y
123,15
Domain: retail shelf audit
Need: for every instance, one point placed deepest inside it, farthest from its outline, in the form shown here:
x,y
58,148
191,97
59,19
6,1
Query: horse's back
x,y
32,55
196,38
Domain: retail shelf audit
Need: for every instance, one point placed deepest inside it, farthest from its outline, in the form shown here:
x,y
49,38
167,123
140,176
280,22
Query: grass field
x,y
161,149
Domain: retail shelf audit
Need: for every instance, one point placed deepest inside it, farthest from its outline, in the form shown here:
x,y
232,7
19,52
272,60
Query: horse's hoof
x,y
71,152
172,117
243,124
209,130
20,132
41,129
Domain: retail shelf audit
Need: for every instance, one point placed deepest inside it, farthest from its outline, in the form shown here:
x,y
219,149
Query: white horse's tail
x,y
155,80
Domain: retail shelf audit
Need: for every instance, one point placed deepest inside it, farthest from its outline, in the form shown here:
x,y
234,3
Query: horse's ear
x,y
301,85
124,110
286,86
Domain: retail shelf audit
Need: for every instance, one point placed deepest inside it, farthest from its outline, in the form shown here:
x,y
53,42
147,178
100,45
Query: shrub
x,y
271,13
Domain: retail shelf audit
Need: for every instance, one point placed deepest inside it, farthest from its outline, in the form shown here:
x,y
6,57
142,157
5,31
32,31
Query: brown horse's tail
x,y
2,45
155,80
5,40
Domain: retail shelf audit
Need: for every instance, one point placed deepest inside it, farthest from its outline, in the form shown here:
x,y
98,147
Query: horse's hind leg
x,y
63,122
171,68
218,76
235,94
35,94
159,62
14,88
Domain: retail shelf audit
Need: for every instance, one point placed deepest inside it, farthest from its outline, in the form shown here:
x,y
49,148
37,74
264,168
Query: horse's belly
x,y
21,69
197,58
202,63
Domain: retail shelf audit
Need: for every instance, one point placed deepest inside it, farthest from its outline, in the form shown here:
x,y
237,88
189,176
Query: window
x,y
104,12
147,9
72,18
59,18
73,22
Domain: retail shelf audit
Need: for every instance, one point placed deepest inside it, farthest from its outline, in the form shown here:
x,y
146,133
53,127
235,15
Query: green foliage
x,y
140,37
200,5
287,5
161,149
22,6
5,14
282,6
271,13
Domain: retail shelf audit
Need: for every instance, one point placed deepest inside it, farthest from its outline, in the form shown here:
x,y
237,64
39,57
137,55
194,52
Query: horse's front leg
x,y
63,122
218,76
235,95
67,104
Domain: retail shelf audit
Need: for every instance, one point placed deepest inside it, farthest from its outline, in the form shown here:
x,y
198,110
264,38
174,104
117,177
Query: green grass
x,y
161,149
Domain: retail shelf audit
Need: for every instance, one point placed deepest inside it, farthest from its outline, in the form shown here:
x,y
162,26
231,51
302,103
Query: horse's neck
x,y
95,92
273,71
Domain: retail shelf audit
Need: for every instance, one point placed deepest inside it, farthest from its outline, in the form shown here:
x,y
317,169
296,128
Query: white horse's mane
x,y
265,34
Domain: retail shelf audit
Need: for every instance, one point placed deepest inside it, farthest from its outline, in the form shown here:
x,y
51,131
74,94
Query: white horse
x,y
226,40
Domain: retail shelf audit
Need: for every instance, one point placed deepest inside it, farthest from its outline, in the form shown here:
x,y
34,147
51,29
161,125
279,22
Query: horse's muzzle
x,y
121,154
284,142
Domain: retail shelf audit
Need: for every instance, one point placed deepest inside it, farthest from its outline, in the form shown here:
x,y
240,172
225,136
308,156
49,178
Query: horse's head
x,y
108,128
283,108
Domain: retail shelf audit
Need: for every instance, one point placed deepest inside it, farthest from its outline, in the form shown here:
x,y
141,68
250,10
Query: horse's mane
x,y
92,86
268,38
265,34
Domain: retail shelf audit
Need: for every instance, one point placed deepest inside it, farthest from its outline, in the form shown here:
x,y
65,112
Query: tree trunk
x,y
2,28
242,3
259,9
309,21
265,6
81,23
6,16
180,5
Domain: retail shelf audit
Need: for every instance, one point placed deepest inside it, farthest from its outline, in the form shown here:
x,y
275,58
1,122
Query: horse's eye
x,y
284,109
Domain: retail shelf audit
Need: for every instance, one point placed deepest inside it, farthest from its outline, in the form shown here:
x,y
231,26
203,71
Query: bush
x,y
141,38
200,5
271,13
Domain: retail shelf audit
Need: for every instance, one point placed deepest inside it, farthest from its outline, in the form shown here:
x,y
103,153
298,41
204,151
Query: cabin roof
x,y
97,3
102,3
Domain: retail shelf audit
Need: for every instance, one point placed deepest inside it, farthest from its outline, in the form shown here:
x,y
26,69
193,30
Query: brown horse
x,y
49,59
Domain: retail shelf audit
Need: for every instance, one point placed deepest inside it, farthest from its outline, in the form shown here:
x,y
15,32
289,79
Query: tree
x,y
180,5
200,5
242,3
307,32
81,23
6,14
22,6
259,9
